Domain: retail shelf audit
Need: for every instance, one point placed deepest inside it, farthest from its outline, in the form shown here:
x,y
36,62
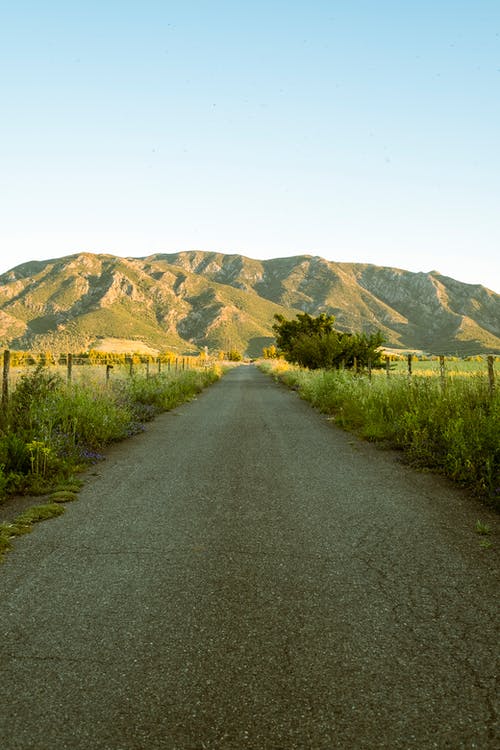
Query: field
x,y
448,423
453,366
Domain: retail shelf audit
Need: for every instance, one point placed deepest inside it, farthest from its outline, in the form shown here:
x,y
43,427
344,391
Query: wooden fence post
x,y
5,380
409,365
176,363
108,370
442,374
387,366
159,365
131,367
491,374
69,363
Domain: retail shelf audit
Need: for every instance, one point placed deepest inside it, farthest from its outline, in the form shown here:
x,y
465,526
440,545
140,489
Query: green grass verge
x,y
454,430
53,430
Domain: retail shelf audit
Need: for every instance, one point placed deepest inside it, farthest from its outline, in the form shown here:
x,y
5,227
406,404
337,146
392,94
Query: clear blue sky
x,y
363,131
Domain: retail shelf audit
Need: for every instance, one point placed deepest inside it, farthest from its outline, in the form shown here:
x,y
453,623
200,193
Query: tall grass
x,y
52,429
455,430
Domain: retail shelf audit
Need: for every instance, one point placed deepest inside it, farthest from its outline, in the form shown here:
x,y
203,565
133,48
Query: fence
x,y
95,368
478,367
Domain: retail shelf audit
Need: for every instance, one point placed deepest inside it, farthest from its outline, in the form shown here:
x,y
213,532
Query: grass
x,y
23,524
482,528
63,496
455,430
52,430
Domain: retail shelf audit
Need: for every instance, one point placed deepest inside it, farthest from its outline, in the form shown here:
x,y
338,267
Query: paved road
x,y
245,575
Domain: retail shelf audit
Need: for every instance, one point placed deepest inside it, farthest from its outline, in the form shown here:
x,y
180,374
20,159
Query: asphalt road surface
x,y
245,575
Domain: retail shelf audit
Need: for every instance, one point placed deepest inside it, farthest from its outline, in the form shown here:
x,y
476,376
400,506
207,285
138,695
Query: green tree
x,y
288,331
314,343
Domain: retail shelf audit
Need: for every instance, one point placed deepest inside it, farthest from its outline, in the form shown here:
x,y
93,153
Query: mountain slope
x,y
413,310
71,302
193,299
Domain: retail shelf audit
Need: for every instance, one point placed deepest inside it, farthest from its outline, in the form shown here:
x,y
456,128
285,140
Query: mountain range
x,y
188,300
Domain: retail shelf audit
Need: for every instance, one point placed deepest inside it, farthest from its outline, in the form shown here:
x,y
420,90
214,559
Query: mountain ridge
x,y
193,299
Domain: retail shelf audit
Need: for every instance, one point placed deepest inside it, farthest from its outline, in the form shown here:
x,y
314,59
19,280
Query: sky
x,y
357,130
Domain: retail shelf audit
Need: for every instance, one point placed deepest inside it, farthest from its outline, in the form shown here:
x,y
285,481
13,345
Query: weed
x,y
39,456
485,544
14,454
63,496
5,539
72,485
38,513
23,523
482,528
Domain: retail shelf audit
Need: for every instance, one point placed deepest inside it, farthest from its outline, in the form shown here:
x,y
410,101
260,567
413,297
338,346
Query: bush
x,y
28,401
314,343
14,454
3,483
84,417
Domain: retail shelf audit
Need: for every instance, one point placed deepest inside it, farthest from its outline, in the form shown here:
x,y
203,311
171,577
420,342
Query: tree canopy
x,y
313,342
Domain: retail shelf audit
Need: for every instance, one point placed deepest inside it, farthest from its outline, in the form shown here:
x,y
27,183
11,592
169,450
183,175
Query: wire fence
x,y
93,368
98,368
413,368
442,367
